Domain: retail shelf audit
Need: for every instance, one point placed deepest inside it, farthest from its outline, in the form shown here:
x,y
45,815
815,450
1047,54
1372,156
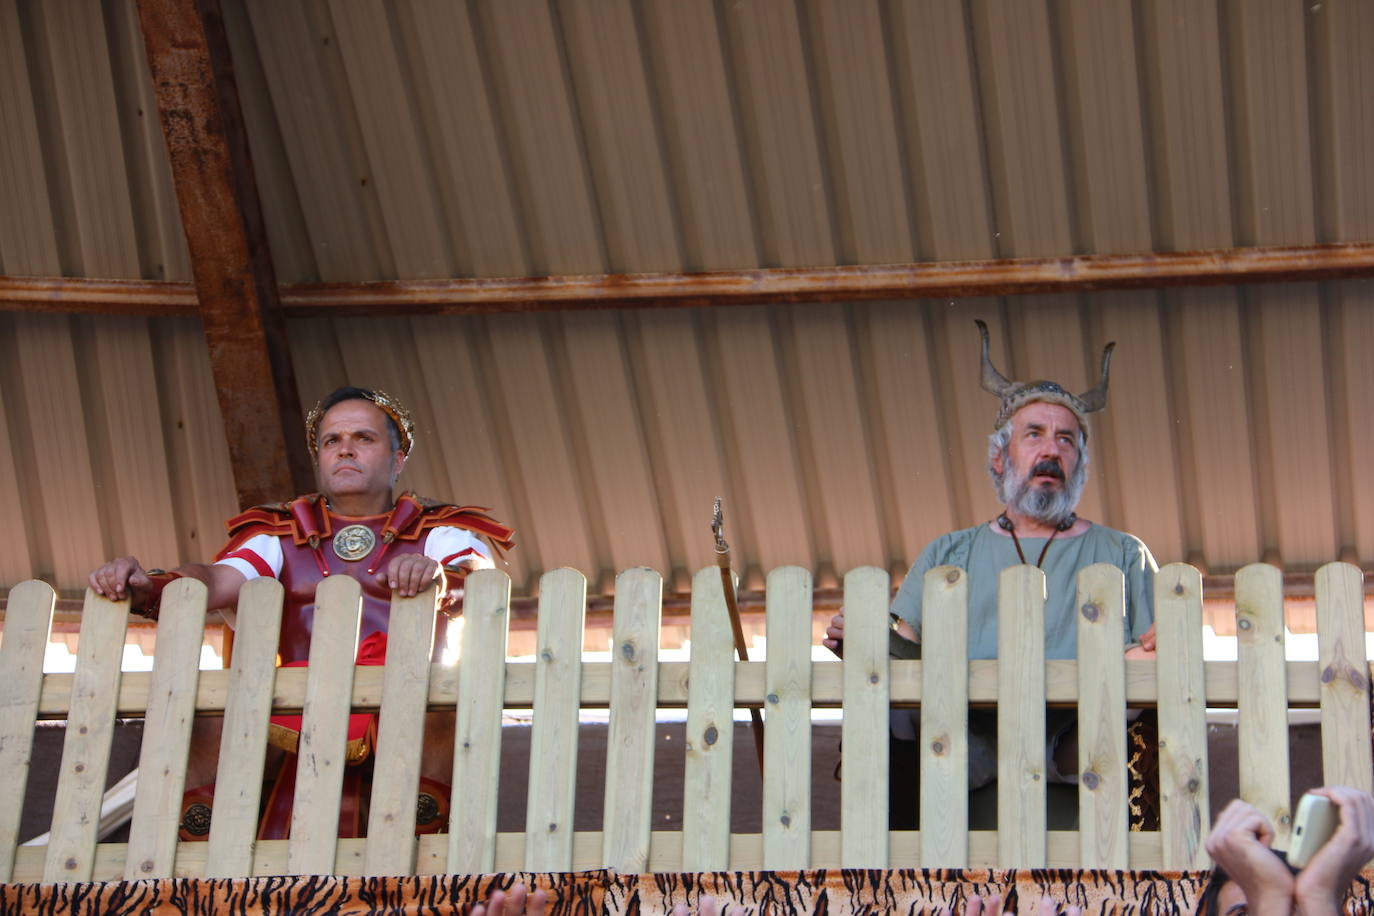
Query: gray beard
x,y
1049,507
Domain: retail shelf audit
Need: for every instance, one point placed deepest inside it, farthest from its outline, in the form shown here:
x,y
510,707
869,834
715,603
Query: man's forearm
x,y
899,646
222,583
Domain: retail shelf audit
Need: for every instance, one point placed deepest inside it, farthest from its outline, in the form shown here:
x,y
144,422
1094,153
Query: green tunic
x,y
983,553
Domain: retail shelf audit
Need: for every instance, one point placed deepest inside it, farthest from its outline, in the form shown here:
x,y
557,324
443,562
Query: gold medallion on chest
x,y
354,542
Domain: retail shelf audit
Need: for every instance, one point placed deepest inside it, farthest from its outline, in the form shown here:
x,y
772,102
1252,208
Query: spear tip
x,y
718,528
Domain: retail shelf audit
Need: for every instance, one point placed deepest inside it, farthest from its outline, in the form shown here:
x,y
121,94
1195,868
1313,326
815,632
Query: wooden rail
x,y
558,685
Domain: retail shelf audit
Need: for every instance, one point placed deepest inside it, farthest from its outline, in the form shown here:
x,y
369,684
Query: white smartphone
x,y
1314,823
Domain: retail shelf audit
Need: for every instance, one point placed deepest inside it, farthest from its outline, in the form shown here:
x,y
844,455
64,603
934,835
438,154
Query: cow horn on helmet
x,y
1015,395
1095,398
994,382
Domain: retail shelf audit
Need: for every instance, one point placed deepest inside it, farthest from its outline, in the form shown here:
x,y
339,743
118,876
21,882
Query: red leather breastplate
x,y
300,574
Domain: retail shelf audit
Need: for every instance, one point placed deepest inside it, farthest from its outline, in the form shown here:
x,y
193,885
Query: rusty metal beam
x,y
931,280
74,295
235,283
948,279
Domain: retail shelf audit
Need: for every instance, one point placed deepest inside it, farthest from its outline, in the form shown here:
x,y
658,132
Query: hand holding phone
x,y
1316,820
1333,864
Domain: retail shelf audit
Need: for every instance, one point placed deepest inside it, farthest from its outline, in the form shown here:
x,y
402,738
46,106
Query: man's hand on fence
x,y
120,579
834,634
519,902
1321,885
1239,843
410,573
1146,647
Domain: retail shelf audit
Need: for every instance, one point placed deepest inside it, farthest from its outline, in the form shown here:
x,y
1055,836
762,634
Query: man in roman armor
x,y
1038,461
355,526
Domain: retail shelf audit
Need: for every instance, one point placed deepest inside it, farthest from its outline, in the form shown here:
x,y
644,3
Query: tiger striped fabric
x,y
830,891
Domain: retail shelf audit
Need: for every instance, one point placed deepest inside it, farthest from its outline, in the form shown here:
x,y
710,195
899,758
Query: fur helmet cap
x,y
1016,395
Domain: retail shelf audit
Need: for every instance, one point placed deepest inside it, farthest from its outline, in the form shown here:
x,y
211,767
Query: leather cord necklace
x,y
1008,526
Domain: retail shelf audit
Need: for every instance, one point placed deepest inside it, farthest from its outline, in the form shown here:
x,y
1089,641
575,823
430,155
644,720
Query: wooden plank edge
x,y
1304,689
746,853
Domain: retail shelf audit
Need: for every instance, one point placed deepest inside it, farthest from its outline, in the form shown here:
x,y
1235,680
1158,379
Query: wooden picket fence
x,y
788,685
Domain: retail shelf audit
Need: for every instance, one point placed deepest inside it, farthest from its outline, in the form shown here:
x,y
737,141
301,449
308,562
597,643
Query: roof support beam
x,y
235,284
927,280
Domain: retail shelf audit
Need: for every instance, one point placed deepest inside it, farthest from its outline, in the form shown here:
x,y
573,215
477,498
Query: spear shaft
x,y
727,584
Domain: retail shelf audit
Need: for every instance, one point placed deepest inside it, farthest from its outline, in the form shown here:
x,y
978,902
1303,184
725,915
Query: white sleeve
x,y
457,546
258,556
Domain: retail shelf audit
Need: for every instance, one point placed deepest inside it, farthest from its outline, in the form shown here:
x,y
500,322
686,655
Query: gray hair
x,y
1049,508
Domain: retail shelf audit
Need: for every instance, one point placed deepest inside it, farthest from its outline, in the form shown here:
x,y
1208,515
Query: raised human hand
x,y
1320,887
1239,843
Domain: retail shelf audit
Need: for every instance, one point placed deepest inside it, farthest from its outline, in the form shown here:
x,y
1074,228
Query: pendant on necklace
x,y
354,542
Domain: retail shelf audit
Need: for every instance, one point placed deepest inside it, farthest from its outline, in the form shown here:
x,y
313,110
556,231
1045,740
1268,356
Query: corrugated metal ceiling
x,y
430,139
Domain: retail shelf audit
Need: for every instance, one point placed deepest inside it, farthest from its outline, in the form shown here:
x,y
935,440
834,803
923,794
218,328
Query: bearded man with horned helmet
x,y
1038,461
354,526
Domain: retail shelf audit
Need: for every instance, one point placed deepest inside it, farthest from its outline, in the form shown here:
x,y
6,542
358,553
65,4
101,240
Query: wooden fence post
x,y
864,786
553,736
1262,677
28,623
944,718
1102,783
167,732
324,728
787,720
243,742
477,734
1021,809
391,814
629,803
1344,673
86,747
1185,819
710,729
